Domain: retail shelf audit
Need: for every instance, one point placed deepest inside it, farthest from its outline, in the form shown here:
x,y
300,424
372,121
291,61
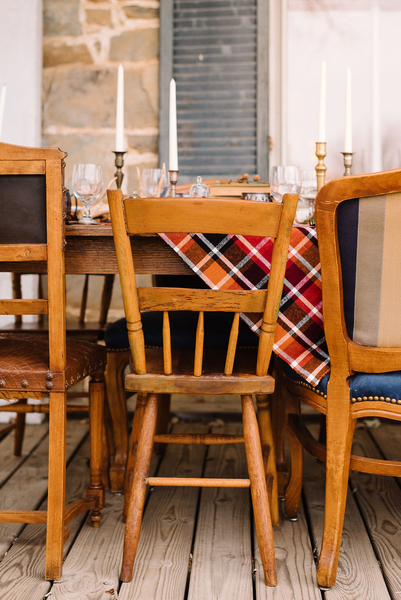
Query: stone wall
x,y
84,42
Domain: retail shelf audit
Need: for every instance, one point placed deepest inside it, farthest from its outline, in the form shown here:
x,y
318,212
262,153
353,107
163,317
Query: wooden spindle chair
x,y
37,365
164,371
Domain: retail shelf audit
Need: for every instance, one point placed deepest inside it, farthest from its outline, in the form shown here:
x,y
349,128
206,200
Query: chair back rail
x,y
38,176
222,216
345,353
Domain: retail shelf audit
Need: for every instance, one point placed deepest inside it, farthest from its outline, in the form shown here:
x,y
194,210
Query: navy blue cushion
x,y
363,386
183,331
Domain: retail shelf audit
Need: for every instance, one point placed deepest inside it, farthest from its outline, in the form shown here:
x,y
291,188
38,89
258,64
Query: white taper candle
x,y
120,147
321,131
173,157
348,114
2,105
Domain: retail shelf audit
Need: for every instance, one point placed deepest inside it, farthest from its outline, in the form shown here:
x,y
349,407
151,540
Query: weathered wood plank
x,y
222,557
22,570
296,571
161,565
27,487
359,574
379,499
9,463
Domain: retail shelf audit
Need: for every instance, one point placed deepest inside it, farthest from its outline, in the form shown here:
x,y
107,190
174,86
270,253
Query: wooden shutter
x,y
217,51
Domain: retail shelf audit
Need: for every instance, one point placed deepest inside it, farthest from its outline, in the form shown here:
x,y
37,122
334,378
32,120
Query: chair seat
x,y
212,380
24,363
384,387
183,331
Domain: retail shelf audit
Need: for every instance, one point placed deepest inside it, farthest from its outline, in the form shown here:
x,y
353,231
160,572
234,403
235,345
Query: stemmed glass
x,y
154,183
87,183
307,195
284,180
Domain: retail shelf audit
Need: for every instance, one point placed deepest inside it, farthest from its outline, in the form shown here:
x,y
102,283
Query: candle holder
x,y
173,182
320,167
348,157
119,162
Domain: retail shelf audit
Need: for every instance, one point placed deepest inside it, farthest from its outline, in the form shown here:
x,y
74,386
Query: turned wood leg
x,y
106,298
260,500
116,363
163,419
17,293
340,431
294,488
136,427
56,489
269,460
279,422
96,398
19,431
138,492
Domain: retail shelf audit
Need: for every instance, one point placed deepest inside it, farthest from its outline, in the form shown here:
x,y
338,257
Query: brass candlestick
x,y
348,157
320,167
173,182
119,162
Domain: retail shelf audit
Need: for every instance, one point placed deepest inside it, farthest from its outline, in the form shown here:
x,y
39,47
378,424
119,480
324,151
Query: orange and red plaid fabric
x,y
233,262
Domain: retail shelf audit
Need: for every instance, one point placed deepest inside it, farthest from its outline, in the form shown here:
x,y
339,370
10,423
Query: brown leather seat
x,y
24,363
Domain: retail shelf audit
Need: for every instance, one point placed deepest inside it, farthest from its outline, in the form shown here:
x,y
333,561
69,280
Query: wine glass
x,y
284,180
307,195
154,184
87,183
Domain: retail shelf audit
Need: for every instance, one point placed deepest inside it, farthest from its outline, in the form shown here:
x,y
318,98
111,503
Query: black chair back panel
x,y
23,209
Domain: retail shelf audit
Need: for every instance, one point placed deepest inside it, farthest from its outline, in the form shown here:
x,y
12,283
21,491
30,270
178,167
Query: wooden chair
x,y
358,221
34,365
217,332
163,371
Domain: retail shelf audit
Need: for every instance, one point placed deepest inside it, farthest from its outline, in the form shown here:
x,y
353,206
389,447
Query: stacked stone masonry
x,y
84,42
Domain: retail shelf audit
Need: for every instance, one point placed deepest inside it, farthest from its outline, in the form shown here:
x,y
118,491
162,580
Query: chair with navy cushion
x,y
358,222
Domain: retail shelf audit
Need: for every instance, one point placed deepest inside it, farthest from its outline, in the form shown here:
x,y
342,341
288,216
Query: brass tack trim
x,y
49,385
393,400
370,398
2,383
24,383
388,399
376,398
49,376
353,399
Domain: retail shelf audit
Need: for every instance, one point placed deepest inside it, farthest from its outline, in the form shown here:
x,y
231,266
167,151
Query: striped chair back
x,y
369,238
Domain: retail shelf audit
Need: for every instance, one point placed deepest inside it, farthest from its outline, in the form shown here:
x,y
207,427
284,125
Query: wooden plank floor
x,y
201,545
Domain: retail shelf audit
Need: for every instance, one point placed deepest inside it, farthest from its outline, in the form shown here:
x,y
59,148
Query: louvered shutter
x,y
218,57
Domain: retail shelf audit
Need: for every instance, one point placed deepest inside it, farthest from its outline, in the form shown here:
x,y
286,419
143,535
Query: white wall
x,y
21,70
340,32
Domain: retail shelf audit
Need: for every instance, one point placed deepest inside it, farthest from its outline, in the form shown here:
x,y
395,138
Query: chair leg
x,y
340,431
136,428
56,486
279,422
294,488
264,530
96,420
19,431
269,460
116,363
138,492
163,419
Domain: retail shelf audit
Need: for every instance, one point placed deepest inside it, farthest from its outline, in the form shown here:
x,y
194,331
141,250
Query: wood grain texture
x,y
379,499
22,167
359,574
207,300
27,555
296,570
205,215
161,565
19,252
23,307
222,558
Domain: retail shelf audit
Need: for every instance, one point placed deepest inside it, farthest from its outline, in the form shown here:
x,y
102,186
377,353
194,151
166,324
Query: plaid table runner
x,y
230,262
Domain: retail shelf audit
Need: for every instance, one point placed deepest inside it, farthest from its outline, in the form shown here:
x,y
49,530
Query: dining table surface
x,y
223,262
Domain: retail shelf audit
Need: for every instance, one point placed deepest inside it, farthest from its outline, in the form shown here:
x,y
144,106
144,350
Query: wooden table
x,y
90,250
